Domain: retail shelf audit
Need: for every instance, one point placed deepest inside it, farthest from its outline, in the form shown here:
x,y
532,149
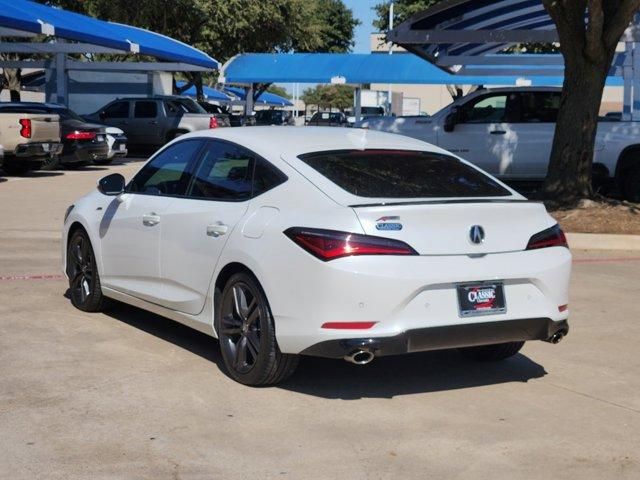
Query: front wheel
x,y
492,353
247,335
82,271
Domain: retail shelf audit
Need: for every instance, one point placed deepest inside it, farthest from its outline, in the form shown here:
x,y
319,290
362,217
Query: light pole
x,y
389,93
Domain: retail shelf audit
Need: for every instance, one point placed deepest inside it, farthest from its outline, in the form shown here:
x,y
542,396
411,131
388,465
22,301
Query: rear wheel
x,y
492,353
84,281
51,162
247,335
631,185
103,161
16,167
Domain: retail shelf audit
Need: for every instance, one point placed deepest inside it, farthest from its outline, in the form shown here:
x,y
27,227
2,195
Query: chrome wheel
x,y
240,326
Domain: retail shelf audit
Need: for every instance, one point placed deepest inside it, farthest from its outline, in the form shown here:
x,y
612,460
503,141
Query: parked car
x,y
153,121
221,114
509,132
365,112
328,119
242,120
274,117
82,142
117,142
29,139
287,241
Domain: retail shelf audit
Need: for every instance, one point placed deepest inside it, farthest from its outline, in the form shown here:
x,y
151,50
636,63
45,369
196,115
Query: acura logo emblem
x,y
476,234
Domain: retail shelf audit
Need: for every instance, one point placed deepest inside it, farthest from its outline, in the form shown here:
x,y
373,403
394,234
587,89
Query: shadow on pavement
x,y
385,377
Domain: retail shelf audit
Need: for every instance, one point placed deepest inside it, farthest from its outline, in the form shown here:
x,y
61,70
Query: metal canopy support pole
x,y
61,79
627,73
248,103
358,109
635,104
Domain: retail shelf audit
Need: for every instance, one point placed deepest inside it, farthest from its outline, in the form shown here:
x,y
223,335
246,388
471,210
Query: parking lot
x,y
132,395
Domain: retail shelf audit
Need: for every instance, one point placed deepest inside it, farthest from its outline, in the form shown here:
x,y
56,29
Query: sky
x,y
363,11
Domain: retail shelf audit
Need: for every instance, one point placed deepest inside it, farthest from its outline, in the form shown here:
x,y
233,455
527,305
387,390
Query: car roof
x,y
276,141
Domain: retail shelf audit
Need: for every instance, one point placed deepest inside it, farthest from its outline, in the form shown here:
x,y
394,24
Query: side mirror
x,y
451,120
111,184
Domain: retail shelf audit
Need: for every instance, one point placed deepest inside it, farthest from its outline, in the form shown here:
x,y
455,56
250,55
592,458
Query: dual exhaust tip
x,y
557,337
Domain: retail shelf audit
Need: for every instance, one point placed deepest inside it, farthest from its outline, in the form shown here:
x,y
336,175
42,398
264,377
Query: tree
x,y
402,9
278,90
333,96
337,26
589,31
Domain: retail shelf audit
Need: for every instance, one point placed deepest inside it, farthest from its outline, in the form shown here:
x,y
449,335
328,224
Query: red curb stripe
x,y
31,277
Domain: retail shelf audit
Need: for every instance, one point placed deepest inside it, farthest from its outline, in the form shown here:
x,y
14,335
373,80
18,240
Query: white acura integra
x,y
339,243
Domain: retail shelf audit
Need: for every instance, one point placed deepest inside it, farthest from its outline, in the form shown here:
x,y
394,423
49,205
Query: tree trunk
x,y
13,80
569,177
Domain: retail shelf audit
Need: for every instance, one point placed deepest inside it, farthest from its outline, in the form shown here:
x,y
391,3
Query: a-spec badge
x,y
388,223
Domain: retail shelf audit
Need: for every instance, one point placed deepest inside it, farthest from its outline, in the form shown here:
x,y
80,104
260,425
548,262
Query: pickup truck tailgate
x,y
44,128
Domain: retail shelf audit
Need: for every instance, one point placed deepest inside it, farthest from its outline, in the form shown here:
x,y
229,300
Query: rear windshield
x,y
402,174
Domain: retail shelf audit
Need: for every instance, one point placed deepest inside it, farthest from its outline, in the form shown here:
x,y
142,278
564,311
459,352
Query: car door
x,y
534,130
482,133
145,125
131,226
196,229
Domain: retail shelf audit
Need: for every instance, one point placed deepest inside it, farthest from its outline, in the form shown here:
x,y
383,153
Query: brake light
x,y
213,122
330,244
25,127
551,237
78,135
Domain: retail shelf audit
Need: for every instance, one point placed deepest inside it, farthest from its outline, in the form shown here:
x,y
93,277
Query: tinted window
x,y
168,172
117,110
266,177
402,174
224,173
145,110
485,110
539,107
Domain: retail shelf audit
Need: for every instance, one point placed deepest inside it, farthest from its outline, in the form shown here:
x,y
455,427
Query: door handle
x,y
150,220
217,229
497,132
153,122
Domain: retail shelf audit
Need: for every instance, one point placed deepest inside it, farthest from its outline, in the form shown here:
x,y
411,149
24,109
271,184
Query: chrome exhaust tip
x,y
557,337
360,357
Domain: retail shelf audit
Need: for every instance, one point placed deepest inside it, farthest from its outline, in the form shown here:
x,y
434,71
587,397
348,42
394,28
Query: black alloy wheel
x,y
84,281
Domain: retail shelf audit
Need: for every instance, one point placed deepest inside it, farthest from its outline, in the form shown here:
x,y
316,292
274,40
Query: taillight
x,y
330,244
25,127
551,237
213,122
78,135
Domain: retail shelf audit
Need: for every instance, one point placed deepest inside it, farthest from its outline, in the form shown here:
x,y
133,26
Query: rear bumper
x,y
82,153
444,337
37,149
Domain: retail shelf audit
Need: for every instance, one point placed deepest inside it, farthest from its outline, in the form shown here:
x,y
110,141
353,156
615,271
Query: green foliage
x,y
402,9
278,90
337,96
223,28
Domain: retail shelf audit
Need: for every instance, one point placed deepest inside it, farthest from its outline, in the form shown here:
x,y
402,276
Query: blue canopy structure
x,y
27,16
400,68
209,93
266,98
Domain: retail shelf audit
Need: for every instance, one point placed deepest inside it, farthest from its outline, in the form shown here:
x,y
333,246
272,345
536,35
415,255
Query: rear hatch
x,y
451,228
434,202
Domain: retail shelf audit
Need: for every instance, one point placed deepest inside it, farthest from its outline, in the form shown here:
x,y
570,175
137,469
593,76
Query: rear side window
x,y
145,110
117,110
402,174
266,177
540,107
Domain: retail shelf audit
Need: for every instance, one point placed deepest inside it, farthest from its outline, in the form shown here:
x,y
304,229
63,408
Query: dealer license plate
x,y
485,298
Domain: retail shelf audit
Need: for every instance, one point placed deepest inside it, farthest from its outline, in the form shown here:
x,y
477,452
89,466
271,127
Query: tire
x,y
492,353
52,162
84,282
16,168
247,336
631,185
75,165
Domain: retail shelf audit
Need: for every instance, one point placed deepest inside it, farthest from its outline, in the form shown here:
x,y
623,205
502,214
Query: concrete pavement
x,y
132,395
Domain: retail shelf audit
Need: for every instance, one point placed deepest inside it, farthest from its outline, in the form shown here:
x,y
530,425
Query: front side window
x,y
145,109
168,173
117,110
402,174
485,110
224,173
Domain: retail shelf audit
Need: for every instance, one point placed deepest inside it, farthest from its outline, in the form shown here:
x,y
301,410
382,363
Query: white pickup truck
x,y
508,132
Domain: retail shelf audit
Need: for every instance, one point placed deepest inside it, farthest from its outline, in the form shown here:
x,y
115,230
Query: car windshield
x,y
402,174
